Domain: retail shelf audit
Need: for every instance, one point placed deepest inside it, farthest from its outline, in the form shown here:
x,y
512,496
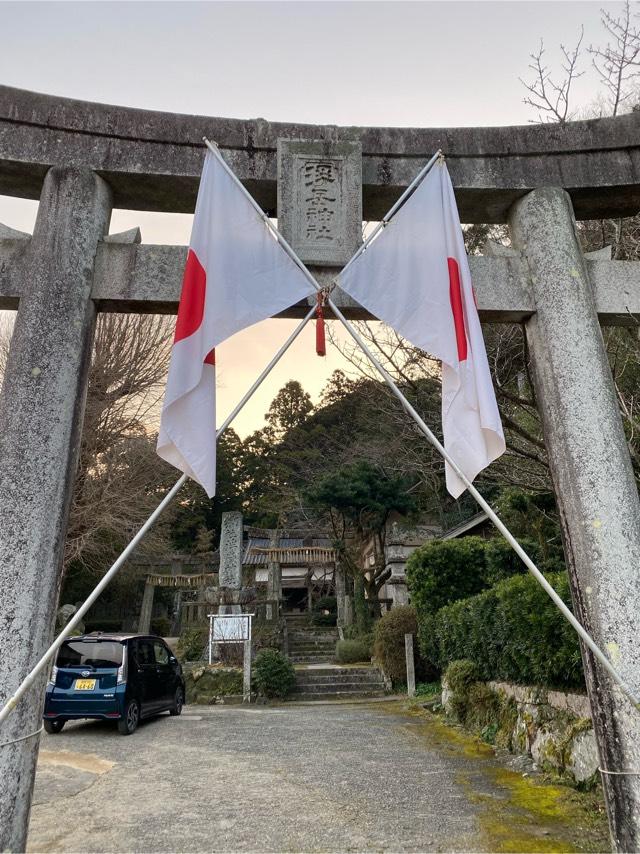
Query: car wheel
x,y
54,726
177,703
129,723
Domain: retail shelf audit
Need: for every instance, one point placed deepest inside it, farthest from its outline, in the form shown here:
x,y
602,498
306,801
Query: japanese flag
x,y
415,277
236,275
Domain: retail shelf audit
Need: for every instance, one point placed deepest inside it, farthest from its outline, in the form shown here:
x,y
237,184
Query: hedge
x,y
511,632
444,571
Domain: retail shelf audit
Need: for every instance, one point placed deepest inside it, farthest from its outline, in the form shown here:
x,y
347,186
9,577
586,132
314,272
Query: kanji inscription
x,y
319,199
321,191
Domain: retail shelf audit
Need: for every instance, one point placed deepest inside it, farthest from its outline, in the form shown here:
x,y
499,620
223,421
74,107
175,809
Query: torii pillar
x,y
41,411
594,484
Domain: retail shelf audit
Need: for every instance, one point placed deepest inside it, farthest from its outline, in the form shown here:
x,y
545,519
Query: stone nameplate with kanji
x,y
320,199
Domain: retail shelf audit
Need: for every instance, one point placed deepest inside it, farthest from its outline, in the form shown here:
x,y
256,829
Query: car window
x,y
162,653
86,653
144,653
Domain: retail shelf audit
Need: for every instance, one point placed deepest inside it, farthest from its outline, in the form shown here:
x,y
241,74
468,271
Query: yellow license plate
x,y
85,684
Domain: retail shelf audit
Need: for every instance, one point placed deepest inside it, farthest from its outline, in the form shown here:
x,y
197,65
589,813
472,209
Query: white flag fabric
x,y
236,275
415,277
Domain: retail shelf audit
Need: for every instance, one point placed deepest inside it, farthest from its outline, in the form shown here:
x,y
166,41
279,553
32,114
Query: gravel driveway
x,y
291,778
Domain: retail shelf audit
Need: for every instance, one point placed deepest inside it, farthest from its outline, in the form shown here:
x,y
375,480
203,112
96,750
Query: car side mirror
x,y
172,659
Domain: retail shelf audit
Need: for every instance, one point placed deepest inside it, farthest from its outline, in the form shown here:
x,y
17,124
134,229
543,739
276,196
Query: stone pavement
x,y
293,778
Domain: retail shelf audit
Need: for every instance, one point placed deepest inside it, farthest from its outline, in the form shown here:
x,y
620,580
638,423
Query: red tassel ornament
x,y
321,348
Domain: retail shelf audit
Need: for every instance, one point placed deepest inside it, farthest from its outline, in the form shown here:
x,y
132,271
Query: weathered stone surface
x,y
593,480
575,704
208,684
411,671
147,279
231,550
320,199
545,750
447,694
131,235
582,760
12,254
7,233
152,160
41,410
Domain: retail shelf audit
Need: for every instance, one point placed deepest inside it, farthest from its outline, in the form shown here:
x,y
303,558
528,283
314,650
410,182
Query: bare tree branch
x,y
618,63
551,97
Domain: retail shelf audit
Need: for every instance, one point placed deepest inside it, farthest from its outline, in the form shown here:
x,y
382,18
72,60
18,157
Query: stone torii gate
x,y
81,159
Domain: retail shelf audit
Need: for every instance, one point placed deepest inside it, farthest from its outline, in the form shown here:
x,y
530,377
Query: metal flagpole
x,y
168,498
515,545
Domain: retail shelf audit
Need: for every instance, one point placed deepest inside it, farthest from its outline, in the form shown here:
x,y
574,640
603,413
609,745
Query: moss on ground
x,y
516,812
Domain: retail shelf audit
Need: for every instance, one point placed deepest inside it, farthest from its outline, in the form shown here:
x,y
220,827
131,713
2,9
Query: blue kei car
x,y
120,677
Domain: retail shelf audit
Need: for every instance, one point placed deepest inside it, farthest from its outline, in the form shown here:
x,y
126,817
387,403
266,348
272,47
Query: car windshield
x,y
86,653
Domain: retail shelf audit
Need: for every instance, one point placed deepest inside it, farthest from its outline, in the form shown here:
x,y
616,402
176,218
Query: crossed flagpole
x,y
406,405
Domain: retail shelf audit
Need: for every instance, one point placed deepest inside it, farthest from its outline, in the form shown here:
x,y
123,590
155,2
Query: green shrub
x,y
191,644
161,626
460,676
388,646
443,571
491,714
274,674
357,649
512,631
325,611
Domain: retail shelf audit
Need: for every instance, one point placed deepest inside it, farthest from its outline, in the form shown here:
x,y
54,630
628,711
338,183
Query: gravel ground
x,y
289,778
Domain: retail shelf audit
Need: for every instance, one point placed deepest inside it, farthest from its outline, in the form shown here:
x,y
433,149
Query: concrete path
x,y
304,778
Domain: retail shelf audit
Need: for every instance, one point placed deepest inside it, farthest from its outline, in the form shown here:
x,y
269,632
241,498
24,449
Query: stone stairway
x,y
309,644
312,650
335,682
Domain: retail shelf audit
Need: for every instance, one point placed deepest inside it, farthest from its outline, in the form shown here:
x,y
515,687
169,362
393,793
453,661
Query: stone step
x,y
312,647
335,695
304,636
313,631
333,670
341,687
326,649
308,679
311,659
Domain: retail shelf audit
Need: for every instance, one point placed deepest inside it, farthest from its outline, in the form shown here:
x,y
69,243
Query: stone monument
x,y
230,578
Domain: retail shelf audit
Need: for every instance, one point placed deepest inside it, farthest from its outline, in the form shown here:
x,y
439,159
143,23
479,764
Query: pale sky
x,y
348,63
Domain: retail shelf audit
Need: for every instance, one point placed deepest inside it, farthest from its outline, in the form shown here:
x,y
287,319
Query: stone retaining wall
x,y
552,727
